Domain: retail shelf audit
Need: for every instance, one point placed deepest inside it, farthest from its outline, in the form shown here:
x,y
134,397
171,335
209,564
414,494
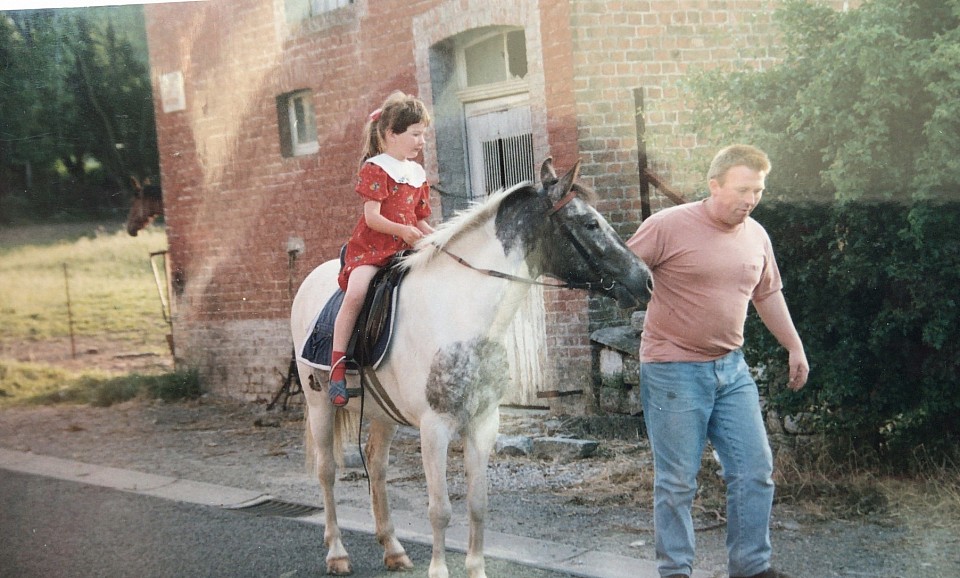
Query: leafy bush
x,y
168,387
872,289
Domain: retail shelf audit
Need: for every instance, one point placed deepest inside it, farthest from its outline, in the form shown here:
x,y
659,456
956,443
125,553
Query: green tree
x,y
112,119
32,64
866,103
77,110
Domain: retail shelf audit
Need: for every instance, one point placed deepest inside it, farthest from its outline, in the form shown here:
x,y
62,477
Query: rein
x,y
508,276
573,240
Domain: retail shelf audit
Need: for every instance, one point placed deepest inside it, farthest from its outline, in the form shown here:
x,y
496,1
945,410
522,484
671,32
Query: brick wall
x,y
232,200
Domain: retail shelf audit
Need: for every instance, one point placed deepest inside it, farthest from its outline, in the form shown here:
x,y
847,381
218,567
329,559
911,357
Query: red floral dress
x,y
400,202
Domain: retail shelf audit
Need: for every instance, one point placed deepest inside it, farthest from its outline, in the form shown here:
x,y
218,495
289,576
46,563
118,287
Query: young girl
x,y
396,204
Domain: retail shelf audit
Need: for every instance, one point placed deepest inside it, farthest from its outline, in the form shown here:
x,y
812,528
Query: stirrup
x,y
338,393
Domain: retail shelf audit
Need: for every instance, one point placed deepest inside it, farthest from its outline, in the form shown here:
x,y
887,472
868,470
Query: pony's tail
x,y
345,428
310,458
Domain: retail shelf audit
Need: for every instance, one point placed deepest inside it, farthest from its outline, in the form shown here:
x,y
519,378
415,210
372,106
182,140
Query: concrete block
x,y
563,449
508,445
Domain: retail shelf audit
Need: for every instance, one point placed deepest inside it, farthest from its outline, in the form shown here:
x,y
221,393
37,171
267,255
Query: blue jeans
x,y
684,405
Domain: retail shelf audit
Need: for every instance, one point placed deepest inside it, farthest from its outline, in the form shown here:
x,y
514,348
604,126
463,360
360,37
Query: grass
x,y
111,284
39,384
112,293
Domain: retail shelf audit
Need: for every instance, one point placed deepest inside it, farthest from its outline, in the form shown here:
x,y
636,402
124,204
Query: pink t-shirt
x,y
704,276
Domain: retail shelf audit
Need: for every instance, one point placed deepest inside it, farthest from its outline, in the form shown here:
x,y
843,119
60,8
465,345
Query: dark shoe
x,y
677,576
338,393
768,573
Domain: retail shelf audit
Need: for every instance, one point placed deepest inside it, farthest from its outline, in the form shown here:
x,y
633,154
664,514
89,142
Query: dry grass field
x,y
79,308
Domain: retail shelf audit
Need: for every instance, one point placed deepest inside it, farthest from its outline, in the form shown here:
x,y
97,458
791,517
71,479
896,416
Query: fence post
x,y
66,283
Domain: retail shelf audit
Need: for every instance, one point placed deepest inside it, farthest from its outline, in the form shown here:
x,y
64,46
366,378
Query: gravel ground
x,y
600,502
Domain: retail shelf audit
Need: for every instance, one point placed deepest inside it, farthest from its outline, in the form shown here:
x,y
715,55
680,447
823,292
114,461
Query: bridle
x,y
551,213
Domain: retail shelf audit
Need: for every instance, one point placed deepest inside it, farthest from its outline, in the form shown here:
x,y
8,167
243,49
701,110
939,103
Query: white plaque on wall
x,y
171,92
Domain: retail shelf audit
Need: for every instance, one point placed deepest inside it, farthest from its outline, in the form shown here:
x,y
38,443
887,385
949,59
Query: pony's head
x,y
147,205
566,238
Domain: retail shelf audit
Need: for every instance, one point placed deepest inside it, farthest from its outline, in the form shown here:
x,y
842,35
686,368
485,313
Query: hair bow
x,y
375,115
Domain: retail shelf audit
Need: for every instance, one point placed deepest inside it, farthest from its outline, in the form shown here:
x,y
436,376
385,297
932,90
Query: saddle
x,y
370,338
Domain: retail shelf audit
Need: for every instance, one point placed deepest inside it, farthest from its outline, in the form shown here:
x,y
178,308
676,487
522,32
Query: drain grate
x,y
276,508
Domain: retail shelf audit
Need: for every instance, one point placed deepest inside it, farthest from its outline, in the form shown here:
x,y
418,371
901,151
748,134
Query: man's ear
x,y
714,186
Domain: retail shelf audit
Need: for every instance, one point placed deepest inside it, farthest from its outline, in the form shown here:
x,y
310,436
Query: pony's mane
x,y
462,223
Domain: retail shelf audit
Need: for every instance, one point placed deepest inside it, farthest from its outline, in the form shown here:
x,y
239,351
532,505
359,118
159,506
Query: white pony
x,y
446,370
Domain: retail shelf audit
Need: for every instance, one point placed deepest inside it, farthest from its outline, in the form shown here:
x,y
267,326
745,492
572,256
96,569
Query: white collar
x,y
404,172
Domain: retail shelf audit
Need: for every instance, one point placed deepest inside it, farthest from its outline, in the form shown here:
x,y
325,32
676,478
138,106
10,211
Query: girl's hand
x,y
411,235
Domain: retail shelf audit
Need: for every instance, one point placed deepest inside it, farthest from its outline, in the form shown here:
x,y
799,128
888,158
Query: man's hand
x,y
799,370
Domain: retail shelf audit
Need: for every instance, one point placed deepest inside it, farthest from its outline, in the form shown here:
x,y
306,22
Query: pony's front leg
x,y
321,416
434,442
477,445
378,457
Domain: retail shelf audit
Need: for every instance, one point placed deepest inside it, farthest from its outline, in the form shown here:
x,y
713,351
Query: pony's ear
x,y
546,171
135,184
565,183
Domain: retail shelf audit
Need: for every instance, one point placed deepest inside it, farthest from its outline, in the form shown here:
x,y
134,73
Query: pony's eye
x,y
591,225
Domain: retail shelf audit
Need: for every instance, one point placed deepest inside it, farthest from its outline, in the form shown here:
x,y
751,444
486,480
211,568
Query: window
x,y
496,57
499,139
298,124
507,161
298,10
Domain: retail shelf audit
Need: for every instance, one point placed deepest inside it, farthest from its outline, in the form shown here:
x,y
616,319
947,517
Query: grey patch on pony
x,y
468,378
517,224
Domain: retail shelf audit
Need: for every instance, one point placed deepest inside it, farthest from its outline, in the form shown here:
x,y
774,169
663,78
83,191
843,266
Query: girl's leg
x,y
357,286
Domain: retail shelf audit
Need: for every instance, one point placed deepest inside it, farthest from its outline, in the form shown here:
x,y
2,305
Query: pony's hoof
x,y
339,566
396,562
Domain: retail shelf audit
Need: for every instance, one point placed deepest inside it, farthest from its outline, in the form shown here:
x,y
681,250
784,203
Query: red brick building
x,y
260,104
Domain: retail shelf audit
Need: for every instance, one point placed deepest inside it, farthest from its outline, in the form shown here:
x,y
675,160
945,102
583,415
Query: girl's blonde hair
x,y
398,112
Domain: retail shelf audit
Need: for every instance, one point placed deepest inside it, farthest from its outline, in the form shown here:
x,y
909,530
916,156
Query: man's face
x,y
734,199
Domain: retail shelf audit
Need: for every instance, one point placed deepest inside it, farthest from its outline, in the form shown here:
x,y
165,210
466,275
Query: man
x,y
709,260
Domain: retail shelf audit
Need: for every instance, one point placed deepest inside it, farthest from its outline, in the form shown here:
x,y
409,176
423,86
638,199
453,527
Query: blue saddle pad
x,y
319,344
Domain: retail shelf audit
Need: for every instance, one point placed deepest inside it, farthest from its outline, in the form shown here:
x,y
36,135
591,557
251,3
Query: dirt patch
x,y
89,352
602,502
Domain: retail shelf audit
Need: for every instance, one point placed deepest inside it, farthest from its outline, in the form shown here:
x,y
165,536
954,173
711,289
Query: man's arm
x,y
775,315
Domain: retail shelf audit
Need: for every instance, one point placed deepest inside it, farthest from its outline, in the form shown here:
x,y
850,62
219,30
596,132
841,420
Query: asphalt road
x,y
51,528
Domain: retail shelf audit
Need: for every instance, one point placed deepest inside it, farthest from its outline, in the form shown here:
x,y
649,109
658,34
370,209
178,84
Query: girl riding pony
x,y
396,204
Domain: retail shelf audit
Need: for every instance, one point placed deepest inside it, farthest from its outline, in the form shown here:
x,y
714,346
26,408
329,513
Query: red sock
x,y
340,369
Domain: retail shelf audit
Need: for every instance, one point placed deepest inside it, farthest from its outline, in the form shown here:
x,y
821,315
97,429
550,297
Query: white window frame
x,y
309,145
297,10
321,6
511,86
